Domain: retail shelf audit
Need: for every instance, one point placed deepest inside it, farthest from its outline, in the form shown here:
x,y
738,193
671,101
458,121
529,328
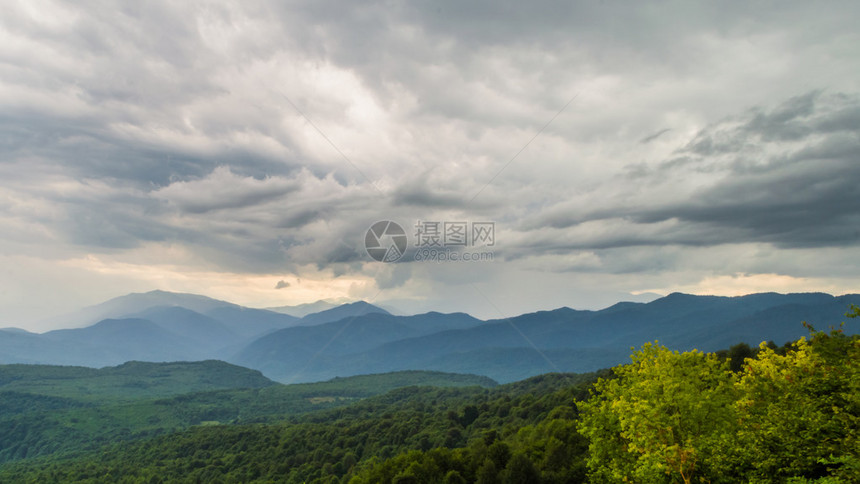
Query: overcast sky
x,y
241,150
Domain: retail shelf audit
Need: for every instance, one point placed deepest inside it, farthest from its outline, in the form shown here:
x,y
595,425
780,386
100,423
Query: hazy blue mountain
x,y
22,347
116,341
286,353
124,306
242,321
513,364
193,327
771,324
249,322
500,364
159,333
349,310
109,342
301,310
360,338
563,339
155,326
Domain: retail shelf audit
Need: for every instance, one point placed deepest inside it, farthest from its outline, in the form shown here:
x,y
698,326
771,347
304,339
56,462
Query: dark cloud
x,y
790,121
222,189
267,138
300,218
422,197
806,196
787,122
282,284
816,205
652,137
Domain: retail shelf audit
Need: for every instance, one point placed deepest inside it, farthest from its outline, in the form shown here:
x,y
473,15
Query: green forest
x,y
746,414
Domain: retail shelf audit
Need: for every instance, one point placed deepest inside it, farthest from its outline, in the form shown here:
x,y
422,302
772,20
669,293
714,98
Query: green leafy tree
x,y
499,453
800,412
520,470
454,477
488,473
660,419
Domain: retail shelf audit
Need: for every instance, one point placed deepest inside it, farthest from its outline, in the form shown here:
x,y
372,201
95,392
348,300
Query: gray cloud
x,y
224,190
418,196
652,137
161,128
798,196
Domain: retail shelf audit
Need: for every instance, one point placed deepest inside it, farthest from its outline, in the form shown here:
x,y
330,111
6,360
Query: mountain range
x,y
360,338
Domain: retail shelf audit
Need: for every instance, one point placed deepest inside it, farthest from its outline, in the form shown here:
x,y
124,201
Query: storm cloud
x,y
225,148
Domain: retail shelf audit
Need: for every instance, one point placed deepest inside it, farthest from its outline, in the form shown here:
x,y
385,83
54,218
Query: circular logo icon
x,y
385,241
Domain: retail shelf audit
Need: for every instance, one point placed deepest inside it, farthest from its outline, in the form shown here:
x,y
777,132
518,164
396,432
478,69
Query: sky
x,y
242,150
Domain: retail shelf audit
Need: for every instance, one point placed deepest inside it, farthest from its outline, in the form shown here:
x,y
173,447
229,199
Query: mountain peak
x,y
357,308
362,304
302,310
134,303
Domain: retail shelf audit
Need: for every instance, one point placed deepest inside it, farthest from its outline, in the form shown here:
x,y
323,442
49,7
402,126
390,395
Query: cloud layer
x,y
227,148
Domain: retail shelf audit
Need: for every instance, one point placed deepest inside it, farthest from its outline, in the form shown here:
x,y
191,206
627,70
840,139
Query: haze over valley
x,y
360,338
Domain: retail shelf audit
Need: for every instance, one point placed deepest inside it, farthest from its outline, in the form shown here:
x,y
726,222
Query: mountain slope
x,y
207,333
131,380
249,322
302,310
366,339
349,310
56,409
284,354
115,341
124,306
530,344
17,347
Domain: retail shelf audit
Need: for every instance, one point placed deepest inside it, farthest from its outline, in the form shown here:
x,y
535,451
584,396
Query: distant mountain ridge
x,y
122,306
155,326
302,310
360,338
564,339
359,308
287,352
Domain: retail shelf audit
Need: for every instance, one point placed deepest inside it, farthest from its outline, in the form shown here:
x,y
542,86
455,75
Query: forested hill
x,y
324,446
748,414
129,381
51,410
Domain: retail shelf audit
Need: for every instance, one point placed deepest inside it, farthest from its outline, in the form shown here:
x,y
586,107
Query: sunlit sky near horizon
x,y
241,150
